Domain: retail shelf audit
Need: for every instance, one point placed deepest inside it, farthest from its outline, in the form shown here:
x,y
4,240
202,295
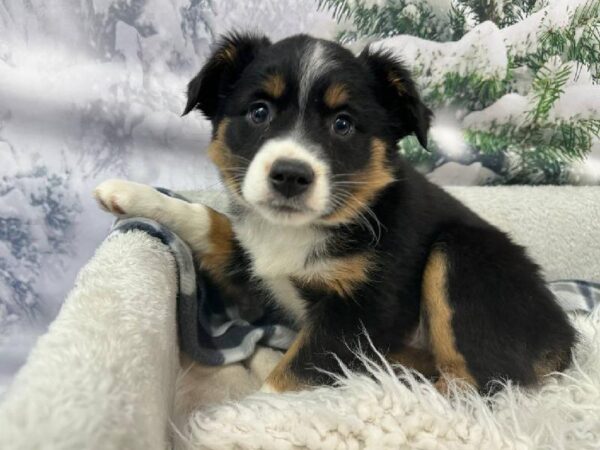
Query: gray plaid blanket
x,y
213,333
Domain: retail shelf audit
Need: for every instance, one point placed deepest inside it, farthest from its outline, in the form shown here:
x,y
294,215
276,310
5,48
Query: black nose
x,y
290,177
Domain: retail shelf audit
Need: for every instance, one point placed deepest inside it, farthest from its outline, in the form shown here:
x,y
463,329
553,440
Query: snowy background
x,y
92,89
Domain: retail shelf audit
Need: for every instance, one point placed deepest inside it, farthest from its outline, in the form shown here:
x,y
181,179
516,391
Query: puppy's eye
x,y
342,125
259,113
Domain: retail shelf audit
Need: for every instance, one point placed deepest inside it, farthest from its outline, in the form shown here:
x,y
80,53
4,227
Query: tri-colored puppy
x,y
329,223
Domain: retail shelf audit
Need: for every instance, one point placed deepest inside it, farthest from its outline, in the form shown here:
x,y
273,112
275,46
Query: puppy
x,y
332,226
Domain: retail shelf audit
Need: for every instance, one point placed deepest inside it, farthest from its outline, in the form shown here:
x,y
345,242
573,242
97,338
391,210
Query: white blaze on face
x,y
313,64
256,188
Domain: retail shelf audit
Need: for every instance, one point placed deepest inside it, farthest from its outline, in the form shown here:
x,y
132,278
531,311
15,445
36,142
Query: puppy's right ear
x,y
223,68
397,93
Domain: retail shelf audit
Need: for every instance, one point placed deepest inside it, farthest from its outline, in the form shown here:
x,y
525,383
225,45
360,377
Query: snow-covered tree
x,y
521,81
385,18
172,34
275,18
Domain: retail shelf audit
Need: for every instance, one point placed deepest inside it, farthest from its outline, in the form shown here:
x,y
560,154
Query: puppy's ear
x,y
223,68
397,93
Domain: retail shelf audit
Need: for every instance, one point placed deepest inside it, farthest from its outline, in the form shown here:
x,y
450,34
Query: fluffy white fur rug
x,y
387,412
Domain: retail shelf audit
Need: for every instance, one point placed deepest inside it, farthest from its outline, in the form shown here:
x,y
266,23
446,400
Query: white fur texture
x,y
278,251
103,375
127,198
386,413
557,224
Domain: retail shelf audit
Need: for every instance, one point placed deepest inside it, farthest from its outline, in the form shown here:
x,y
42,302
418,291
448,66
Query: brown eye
x,y
342,125
259,113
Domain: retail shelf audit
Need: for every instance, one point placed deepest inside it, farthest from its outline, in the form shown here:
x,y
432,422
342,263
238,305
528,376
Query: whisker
x,y
344,183
240,157
340,199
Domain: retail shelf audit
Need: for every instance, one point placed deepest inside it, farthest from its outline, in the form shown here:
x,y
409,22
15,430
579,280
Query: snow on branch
x,y
521,80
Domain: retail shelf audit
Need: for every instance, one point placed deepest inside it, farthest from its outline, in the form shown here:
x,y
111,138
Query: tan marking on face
x,y
341,275
396,81
448,359
282,378
336,95
367,184
220,237
224,159
274,85
414,358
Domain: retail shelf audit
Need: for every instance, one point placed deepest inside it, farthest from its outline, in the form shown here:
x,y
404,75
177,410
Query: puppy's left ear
x,y
397,93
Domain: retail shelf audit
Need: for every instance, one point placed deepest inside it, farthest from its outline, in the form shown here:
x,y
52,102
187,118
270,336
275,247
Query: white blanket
x,y
104,375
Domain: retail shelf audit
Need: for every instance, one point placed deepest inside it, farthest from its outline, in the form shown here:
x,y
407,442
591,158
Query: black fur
x,y
216,79
407,113
505,319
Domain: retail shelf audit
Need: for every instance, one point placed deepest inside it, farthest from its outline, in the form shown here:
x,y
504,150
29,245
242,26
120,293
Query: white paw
x,y
268,389
125,198
263,361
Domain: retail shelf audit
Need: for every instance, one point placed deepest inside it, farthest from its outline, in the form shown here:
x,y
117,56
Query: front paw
x,y
267,388
125,198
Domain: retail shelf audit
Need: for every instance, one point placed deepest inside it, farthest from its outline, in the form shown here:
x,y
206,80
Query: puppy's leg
x,y
298,369
489,313
316,352
414,358
206,231
448,359
263,361
285,376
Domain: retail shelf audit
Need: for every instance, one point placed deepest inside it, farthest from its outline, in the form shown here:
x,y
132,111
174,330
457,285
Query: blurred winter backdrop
x,y
91,89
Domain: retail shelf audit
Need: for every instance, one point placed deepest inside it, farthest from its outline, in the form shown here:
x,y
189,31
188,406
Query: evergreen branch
x,y
544,151
471,91
587,14
579,41
538,154
502,13
340,9
410,149
566,140
548,86
537,150
393,18
573,139
484,10
517,10
457,19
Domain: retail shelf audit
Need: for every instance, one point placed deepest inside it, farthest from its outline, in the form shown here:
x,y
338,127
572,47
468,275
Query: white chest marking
x,y
278,253
287,297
